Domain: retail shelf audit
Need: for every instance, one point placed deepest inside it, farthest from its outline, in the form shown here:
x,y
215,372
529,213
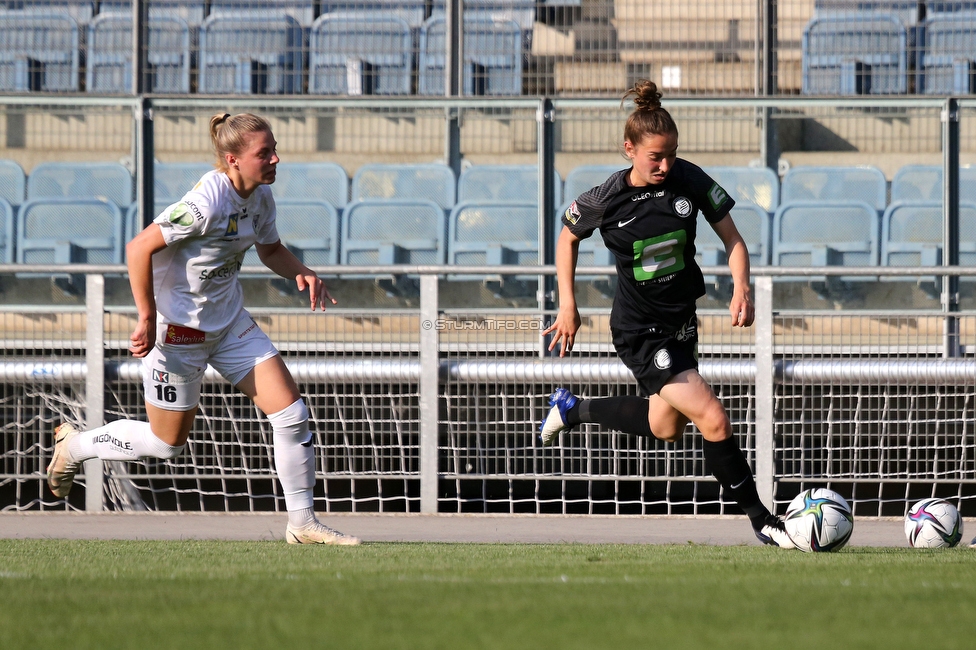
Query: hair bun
x,y
646,95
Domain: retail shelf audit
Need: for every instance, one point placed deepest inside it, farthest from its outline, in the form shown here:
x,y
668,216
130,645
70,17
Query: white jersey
x,y
207,233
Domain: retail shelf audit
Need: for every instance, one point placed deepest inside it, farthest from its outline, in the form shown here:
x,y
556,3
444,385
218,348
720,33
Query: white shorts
x,y
172,372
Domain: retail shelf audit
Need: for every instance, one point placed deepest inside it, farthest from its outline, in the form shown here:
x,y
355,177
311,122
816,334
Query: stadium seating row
x,y
864,48
369,48
407,214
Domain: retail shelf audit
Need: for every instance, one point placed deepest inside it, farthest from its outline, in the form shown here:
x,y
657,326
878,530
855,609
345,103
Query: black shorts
x,y
654,356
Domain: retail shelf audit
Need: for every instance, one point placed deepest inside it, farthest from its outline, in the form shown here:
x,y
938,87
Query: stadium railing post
x,y
94,383
429,393
765,378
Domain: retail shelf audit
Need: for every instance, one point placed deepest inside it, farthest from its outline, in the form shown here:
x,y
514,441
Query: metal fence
x,y
435,408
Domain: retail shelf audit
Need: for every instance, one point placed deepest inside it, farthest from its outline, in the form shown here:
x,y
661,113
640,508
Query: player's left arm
x,y
282,261
741,308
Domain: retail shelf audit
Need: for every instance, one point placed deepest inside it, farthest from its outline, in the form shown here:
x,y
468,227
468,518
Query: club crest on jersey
x,y
160,376
231,225
662,359
681,206
572,213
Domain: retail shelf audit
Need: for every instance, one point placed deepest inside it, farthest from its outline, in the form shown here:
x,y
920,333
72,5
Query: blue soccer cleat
x,y
555,423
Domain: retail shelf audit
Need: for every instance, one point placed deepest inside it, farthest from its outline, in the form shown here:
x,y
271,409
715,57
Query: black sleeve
x,y
585,214
710,197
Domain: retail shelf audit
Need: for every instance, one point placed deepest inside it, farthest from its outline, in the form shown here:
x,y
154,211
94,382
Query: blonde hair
x,y
228,133
648,118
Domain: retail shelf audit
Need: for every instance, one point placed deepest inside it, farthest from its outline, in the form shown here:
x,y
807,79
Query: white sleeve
x,y
190,217
266,228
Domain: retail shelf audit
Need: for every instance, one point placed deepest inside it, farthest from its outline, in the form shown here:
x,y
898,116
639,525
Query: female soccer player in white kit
x,y
183,269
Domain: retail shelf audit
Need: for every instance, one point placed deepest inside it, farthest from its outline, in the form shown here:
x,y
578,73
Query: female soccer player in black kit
x,y
647,215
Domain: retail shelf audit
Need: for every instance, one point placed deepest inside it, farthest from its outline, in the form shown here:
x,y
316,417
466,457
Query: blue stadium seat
x,y
907,11
191,11
755,185
172,180
360,54
303,11
492,57
80,11
911,235
924,183
6,232
948,60
38,52
429,181
754,224
251,55
917,183
826,233
855,54
522,12
393,231
504,183
863,183
586,177
133,225
493,233
69,231
309,229
13,183
412,11
109,181
323,181
109,63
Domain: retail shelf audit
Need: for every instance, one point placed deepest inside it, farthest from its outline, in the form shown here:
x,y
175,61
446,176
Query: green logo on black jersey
x,y
180,215
717,196
659,256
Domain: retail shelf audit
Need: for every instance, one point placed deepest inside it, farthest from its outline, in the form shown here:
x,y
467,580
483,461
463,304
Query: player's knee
x,y
293,415
714,423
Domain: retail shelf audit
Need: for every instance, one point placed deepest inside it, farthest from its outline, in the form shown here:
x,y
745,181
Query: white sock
x,y
121,440
294,461
301,518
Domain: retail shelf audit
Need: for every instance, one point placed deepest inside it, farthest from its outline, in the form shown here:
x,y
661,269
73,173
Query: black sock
x,y
626,413
727,462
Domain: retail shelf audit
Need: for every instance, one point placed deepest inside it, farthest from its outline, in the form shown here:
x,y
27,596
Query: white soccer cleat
x,y
318,533
555,423
61,471
773,533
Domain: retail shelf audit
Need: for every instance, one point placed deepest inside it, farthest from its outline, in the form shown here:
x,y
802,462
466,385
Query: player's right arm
x,y
567,321
139,254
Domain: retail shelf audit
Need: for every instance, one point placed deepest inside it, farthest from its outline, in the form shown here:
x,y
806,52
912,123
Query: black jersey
x,y
651,232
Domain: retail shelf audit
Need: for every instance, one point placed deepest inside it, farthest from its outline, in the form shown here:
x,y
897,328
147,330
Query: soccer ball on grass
x,y
819,520
933,523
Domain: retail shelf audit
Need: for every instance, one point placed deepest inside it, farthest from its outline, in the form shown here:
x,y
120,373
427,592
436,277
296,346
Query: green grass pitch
x,y
204,594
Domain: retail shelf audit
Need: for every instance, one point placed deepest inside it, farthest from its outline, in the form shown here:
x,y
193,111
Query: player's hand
x,y
741,308
143,338
565,326
318,294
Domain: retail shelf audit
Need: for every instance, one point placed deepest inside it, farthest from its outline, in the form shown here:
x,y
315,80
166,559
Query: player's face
x,y
258,159
653,158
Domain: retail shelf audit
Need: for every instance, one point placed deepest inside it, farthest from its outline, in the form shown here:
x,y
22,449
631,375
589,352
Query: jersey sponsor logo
x,y
247,331
180,215
572,213
717,196
659,257
662,359
647,195
224,271
621,224
179,335
161,376
231,225
682,206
